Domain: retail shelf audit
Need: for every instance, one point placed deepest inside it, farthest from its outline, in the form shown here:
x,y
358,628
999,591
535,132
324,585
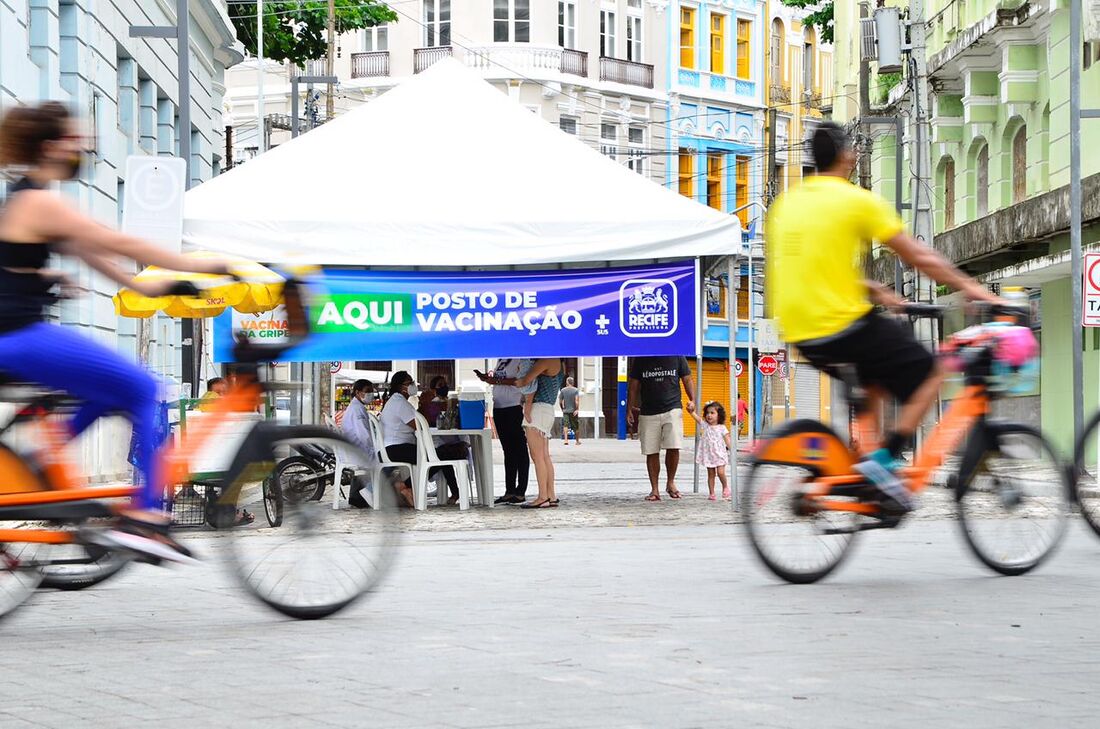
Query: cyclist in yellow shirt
x,y
818,236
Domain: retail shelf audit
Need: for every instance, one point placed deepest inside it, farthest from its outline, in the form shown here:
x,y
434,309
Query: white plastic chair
x,y
378,479
429,459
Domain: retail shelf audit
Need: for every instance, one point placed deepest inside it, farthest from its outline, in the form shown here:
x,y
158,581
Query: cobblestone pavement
x,y
670,626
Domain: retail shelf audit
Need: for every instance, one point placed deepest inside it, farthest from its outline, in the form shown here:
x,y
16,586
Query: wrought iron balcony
x,y
626,72
367,65
779,93
425,57
574,62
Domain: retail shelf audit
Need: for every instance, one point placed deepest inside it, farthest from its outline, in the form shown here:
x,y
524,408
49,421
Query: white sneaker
x,y
140,545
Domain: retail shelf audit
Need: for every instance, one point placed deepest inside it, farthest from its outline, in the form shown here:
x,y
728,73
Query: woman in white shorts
x,y
547,375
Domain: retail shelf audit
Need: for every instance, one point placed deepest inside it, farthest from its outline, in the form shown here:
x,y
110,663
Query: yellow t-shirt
x,y
817,236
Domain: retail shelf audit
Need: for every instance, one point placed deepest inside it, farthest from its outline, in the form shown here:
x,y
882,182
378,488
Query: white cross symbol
x,y
602,322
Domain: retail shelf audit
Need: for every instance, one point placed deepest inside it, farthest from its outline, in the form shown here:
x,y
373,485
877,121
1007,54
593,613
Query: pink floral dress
x,y
712,451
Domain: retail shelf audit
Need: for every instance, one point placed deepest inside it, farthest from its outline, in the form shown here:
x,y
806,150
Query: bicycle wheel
x,y
797,543
76,566
1014,507
1086,475
321,560
273,501
20,573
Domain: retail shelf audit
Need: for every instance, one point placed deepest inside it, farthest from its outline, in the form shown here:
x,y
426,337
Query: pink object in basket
x,y
1016,346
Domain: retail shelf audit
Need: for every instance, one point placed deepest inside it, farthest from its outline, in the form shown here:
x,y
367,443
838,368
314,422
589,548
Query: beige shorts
x,y
661,432
542,419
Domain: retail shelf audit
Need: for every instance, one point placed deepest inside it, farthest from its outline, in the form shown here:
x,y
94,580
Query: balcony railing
x,y
424,57
626,72
574,62
316,67
366,65
779,93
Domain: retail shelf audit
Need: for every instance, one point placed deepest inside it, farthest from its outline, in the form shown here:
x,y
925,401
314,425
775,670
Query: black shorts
x,y
883,350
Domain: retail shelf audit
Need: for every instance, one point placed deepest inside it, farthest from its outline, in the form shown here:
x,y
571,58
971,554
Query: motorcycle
x,y
301,477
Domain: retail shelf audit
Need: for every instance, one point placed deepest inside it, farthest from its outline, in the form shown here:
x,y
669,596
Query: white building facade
x,y
127,92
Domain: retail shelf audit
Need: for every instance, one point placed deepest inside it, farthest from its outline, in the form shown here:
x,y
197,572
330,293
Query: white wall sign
x,y
767,336
152,205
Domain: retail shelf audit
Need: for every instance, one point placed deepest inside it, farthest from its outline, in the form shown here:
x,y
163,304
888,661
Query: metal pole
x,y
731,316
752,342
1075,210
293,107
597,408
699,388
261,145
899,278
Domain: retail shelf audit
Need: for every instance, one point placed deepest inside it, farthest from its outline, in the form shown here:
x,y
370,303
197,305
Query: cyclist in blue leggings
x,y
44,142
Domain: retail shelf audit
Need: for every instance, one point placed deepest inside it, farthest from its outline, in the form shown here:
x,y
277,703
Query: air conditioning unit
x,y
868,44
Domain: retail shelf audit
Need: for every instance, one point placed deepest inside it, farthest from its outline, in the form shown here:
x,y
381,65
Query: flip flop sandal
x,y
653,497
246,517
673,494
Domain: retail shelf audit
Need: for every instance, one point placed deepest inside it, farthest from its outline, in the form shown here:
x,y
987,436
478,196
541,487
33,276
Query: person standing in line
x,y
547,375
714,446
654,387
568,400
508,418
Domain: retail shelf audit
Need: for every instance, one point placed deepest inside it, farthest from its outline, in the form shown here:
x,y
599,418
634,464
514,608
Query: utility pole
x,y
330,66
772,190
261,125
921,149
864,108
228,147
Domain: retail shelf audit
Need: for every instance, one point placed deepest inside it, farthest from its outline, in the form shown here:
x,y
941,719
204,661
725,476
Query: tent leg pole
x,y
731,313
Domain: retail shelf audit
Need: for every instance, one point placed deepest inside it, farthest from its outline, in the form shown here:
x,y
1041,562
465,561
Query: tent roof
x,y
445,170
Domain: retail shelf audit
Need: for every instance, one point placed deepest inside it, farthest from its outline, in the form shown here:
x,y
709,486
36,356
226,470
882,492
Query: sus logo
x,y
647,308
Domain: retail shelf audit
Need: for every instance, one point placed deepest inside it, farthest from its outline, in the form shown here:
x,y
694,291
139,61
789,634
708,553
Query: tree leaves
x,y
295,31
821,17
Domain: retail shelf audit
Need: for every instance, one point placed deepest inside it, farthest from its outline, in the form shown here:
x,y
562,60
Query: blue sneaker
x,y
878,468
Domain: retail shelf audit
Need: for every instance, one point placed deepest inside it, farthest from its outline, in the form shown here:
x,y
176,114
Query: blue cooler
x,y
471,413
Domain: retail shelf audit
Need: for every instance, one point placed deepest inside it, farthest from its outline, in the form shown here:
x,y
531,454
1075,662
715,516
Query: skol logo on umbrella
x,y
647,308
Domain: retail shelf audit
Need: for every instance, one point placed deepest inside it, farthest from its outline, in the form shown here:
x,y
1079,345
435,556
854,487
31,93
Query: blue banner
x,y
364,315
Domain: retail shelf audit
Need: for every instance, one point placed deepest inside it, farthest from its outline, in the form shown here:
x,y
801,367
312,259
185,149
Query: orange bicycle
x,y
306,568
804,503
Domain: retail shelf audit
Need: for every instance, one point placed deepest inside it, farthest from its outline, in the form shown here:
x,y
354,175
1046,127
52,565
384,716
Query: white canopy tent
x,y
445,170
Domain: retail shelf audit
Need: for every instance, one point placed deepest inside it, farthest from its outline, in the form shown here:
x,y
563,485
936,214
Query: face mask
x,y
442,391
412,389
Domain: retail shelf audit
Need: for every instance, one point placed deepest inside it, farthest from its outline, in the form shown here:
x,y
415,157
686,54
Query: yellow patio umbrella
x,y
260,291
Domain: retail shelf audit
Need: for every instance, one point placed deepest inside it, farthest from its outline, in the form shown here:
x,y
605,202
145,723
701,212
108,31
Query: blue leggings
x,y
105,381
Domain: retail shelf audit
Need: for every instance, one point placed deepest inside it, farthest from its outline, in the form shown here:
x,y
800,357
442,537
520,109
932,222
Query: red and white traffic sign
x,y
738,368
767,365
1090,317
335,367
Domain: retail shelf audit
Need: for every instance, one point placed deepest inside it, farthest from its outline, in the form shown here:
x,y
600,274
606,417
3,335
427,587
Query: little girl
x,y
714,444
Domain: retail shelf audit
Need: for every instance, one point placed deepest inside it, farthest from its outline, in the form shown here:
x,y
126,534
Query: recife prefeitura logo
x,y
647,307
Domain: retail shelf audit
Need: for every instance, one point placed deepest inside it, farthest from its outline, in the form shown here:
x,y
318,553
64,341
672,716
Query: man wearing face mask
x,y
355,424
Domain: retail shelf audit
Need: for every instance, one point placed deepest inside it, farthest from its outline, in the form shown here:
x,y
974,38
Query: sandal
x,y
244,517
673,494
555,502
653,497
537,505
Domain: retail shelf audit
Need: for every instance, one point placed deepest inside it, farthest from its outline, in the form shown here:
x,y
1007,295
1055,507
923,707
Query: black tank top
x,y
23,296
